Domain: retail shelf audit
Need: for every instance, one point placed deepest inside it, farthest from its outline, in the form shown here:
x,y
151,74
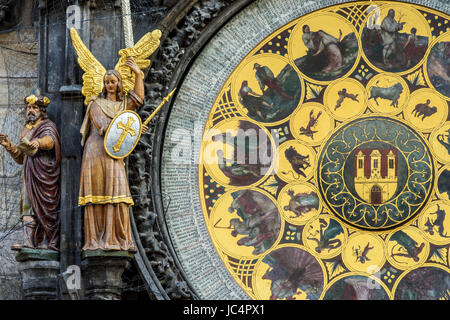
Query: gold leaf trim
x,y
104,199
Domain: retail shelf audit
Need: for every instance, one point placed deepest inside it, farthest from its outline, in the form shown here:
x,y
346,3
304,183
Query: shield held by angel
x,y
104,189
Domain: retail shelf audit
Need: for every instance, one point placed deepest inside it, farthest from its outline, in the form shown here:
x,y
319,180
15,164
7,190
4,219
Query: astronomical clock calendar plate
x,y
323,169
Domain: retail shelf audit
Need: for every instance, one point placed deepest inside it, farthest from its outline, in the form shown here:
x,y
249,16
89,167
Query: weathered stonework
x,y
102,276
9,13
18,76
39,279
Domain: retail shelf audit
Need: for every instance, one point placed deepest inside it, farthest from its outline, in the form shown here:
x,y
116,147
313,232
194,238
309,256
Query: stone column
x,y
39,270
101,274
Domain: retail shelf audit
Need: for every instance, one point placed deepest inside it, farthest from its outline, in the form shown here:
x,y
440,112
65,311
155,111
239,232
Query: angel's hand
x,y
101,131
133,65
144,129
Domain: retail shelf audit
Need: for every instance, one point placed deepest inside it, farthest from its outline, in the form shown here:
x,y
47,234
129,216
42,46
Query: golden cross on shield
x,y
126,130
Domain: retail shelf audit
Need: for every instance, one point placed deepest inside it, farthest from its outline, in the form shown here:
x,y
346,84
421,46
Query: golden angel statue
x,y
104,189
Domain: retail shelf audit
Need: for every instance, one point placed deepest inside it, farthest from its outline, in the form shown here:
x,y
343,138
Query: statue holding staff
x,y
104,189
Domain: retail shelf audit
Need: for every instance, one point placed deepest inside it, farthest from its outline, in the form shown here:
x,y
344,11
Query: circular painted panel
x,y
307,154
375,173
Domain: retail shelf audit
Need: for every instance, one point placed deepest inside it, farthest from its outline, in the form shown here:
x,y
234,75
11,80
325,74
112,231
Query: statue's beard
x,y
32,118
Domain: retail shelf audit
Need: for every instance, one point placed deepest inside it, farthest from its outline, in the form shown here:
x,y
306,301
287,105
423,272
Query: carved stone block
x,y
39,279
102,275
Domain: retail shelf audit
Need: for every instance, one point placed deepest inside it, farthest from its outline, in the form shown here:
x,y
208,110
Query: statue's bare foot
x,y
43,246
16,247
28,244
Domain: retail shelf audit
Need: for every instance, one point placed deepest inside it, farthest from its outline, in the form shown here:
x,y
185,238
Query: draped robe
x,y
42,181
41,174
104,186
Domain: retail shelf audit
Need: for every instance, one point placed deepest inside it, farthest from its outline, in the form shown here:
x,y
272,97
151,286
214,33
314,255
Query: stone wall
x,y
18,76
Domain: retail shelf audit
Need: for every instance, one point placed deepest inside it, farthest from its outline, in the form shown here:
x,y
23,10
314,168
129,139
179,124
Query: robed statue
x,y
38,150
104,189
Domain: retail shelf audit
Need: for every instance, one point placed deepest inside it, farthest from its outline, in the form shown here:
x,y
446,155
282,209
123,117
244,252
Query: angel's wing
x,y
93,69
141,50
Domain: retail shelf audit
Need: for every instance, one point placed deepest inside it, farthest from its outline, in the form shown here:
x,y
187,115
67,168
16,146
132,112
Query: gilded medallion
x,y
375,173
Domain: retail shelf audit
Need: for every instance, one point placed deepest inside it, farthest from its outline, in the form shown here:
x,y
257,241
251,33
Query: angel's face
x,y
111,83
